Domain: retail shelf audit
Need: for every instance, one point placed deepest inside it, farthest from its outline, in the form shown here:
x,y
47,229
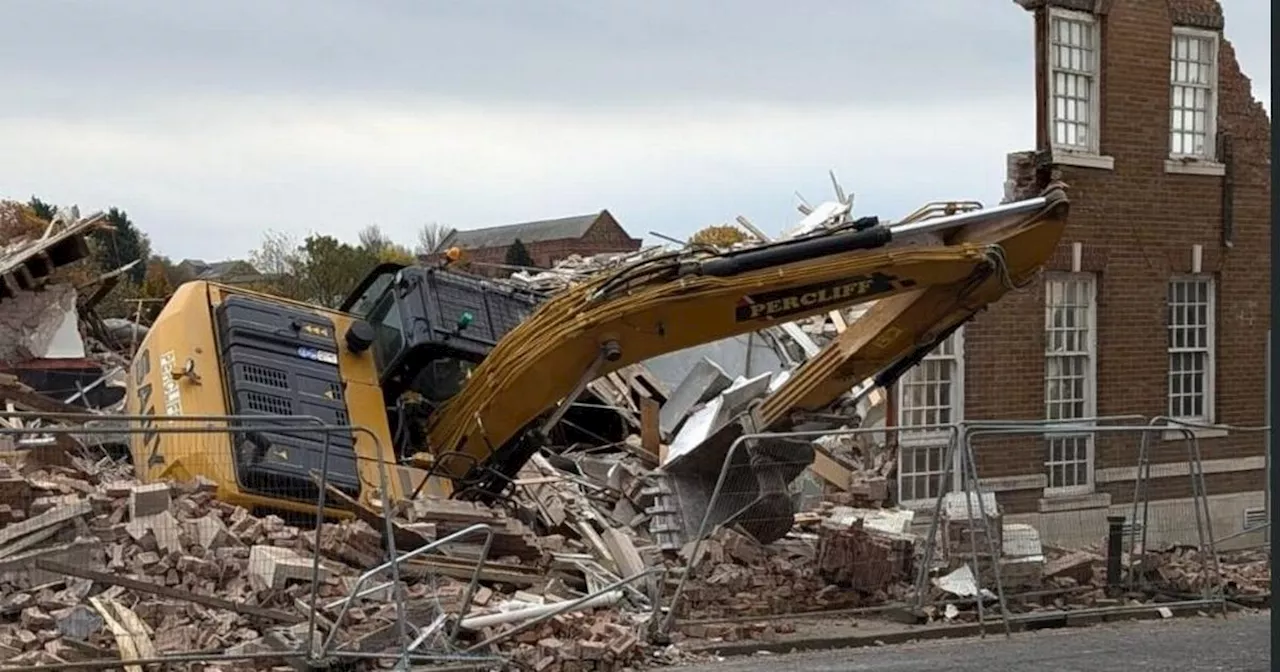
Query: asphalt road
x,y
1239,643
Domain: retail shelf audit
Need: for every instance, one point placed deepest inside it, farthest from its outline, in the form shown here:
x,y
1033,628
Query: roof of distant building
x,y
528,232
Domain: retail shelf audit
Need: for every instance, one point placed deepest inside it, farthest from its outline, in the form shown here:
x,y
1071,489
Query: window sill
x,y
1057,503
1197,432
1014,483
1194,167
1066,157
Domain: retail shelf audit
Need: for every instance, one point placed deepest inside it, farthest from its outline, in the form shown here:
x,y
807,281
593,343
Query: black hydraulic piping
x,y
894,371
746,261
868,234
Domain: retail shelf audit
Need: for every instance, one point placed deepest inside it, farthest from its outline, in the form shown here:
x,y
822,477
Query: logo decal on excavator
x,y
315,330
811,298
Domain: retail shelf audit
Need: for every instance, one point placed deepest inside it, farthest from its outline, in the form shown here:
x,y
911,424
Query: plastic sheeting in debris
x,y
962,583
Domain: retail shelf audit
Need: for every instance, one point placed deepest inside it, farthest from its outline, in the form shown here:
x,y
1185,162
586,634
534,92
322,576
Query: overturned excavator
x,y
455,382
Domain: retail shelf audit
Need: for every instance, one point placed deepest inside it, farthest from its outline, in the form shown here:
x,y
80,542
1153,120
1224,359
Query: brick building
x,y
547,241
1157,300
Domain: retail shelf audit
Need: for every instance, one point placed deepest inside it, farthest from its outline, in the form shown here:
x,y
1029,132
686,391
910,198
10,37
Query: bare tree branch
x,y
431,236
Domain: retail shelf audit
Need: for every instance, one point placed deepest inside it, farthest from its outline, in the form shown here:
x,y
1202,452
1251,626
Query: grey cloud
x,y
100,63
516,51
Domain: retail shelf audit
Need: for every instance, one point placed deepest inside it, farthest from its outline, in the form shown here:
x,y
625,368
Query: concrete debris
x,y
51,340
40,325
576,268
30,254
964,531
95,565
705,381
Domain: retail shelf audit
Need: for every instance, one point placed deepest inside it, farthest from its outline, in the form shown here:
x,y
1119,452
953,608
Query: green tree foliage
x,y
43,210
518,255
322,269
330,268
120,244
383,248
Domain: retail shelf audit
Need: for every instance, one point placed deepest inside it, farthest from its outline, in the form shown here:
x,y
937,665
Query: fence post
x,y
1115,546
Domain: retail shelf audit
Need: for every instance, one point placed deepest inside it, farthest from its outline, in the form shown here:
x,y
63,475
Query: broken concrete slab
x,y
27,262
705,380
210,532
275,567
738,396
695,431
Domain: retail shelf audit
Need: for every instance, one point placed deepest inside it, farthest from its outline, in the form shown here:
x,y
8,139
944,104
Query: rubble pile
x,y
837,558
1187,570
577,268
18,224
92,559
96,565
735,576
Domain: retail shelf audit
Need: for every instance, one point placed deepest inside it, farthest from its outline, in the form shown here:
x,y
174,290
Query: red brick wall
x,y
605,236
1137,224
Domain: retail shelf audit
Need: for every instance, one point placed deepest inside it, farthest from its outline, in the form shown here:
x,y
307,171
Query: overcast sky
x,y
210,122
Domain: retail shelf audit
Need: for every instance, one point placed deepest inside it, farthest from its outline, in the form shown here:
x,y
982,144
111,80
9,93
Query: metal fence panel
x,y
102,568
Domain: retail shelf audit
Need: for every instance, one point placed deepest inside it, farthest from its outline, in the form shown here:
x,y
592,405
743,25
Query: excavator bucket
x,y
691,498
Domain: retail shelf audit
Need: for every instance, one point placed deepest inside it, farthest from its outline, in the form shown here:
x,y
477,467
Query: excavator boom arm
x,y
675,303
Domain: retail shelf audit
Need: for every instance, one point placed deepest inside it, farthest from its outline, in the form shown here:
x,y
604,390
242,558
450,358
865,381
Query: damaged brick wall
x,y
1137,223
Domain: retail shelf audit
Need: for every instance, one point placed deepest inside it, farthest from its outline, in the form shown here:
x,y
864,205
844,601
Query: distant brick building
x,y
547,241
1157,301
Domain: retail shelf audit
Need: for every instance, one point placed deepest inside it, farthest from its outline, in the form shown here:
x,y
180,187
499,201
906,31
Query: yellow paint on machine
x,y
182,338
538,363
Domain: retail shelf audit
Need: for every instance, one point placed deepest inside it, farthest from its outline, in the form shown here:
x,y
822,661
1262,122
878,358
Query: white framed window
x,y
929,393
1070,378
1191,348
1074,111
1193,88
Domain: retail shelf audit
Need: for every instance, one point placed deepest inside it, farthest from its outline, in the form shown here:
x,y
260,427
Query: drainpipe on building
x,y
1266,500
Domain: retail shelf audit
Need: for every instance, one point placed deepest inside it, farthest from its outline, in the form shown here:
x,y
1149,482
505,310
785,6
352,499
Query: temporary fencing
x,y
1129,515
177,575
836,560
167,572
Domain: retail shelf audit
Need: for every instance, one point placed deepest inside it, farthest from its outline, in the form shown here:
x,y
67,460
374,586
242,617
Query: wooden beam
x,y
165,591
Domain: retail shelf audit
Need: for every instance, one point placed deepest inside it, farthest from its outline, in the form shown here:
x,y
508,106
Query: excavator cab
x,y
428,328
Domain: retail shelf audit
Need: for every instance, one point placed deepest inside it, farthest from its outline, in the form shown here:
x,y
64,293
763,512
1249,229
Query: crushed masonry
x,y
95,565
107,567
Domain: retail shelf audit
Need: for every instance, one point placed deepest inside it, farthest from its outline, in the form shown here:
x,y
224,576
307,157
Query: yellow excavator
x,y
455,382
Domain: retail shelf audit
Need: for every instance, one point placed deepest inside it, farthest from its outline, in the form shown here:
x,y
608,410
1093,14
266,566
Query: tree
x,y
280,262
331,268
517,255
43,210
373,240
382,248
431,236
121,244
720,235
396,253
